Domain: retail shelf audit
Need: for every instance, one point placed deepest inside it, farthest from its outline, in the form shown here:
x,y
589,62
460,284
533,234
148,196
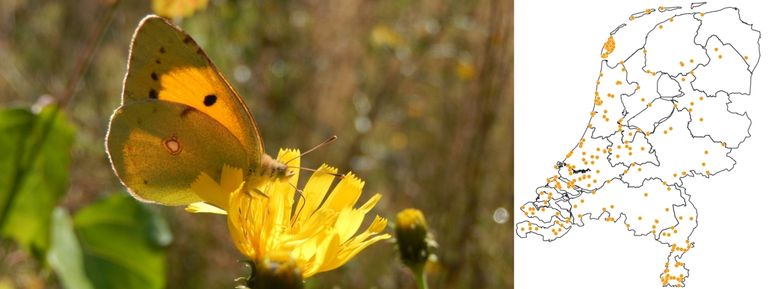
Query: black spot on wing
x,y
154,76
188,39
144,181
209,100
157,61
162,50
153,94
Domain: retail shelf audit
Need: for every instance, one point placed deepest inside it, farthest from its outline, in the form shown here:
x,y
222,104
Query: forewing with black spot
x,y
166,64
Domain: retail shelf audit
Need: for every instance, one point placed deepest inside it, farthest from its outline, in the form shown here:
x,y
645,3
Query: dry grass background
x,y
419,92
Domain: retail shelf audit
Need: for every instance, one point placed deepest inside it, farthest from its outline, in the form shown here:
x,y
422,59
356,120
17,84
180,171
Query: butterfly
x,y
179,118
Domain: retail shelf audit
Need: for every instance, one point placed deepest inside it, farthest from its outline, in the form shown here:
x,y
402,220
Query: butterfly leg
x,y
255,193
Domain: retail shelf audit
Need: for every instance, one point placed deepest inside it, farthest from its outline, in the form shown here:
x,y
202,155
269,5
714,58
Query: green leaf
x,y
123,242
34,162
65,256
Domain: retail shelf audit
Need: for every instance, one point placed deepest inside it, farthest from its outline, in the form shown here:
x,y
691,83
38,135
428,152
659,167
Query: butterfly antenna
x,y
314,170
327,141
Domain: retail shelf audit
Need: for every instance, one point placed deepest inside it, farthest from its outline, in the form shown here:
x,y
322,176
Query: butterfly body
x,y
179,118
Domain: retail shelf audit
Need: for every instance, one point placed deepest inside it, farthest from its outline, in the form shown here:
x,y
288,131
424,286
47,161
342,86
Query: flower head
x,y
413,242
177,8
317,233
384,36
412,237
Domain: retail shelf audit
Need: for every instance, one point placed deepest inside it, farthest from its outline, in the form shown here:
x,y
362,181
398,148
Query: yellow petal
x,y
231,179
203,207
314,192
305,255
377,225
345,194
281,193
350,220
277,218
210,191
351,251
240,222
320,221
347,223
325,252
370,203
360,242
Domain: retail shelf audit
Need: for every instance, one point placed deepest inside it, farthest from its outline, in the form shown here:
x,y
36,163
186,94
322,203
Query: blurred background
x,y
419,93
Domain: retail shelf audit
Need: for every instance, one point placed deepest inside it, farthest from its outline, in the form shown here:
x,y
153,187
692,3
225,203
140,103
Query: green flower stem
x,y
419,275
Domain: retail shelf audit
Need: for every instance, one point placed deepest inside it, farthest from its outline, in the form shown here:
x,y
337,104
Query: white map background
x,y
557,47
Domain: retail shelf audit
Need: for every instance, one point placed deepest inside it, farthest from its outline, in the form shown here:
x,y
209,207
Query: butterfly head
x,y
273,169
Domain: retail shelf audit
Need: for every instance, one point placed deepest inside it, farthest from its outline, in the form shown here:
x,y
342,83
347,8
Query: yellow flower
x,y
177,8
384,36
315,234
413,242
412,236
465,70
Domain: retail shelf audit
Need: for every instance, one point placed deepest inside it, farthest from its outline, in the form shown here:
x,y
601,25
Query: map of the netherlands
x,y
661,114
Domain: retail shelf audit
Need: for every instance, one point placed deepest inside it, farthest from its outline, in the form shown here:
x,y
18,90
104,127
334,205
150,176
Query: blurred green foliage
x,y
35,159
113,243
123,243
419,92
65,255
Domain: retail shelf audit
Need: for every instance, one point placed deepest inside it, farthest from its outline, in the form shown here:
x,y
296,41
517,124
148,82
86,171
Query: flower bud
x,y
412,238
